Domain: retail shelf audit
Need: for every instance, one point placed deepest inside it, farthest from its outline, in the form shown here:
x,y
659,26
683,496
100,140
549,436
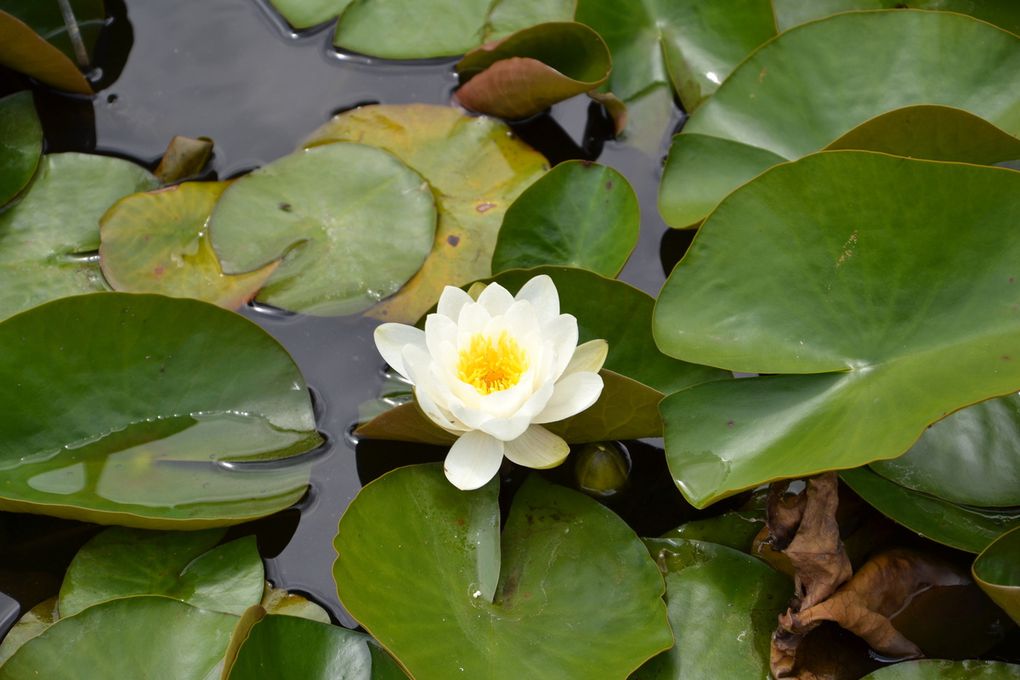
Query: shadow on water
x,y
233,71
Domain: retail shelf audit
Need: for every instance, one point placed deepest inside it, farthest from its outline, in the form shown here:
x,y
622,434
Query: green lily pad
x,y
686,45
351,222
136,637
722,606
735,529
1003,13
290,647
579,215
160,403
31,625
157,242
476,169
622,316
20,144
626,409
997,571
865,299
423,568
45,236
185,566
885,62
958,526
27,52
938,133
941,669
971,457
532,69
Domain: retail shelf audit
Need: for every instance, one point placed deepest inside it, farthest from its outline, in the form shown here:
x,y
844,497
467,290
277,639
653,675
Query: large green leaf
x,y
626,409
281,647
997,571
137,637
964,528
24,50
31,625
690,45
816,82
185,566
44,237
20,144
579,214
569,591
940,669
157,242
1004,13
351,222
621,315
476,168
138,410
970,457
938,133
722,606
532,69
898,312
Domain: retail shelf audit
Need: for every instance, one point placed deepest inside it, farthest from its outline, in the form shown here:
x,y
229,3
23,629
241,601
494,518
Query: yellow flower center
x,y
492,364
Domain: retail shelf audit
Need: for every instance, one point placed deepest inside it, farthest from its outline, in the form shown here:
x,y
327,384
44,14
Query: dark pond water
x,y
233,71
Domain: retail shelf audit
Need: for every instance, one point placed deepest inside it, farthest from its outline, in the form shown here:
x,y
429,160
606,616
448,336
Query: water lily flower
x,y
493,371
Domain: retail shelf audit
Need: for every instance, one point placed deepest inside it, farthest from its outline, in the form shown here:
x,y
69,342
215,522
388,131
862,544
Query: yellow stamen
x,y
492,364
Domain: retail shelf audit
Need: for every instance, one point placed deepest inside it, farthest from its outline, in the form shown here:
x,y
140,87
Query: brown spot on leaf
x,y
485,206
453,240
285,207
158,271
609,185
729,423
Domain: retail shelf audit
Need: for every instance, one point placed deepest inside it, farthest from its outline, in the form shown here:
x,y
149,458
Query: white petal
x,y
436,413
473,460
562,333
537,448
588,357
506,429
416,362
573,394
541,293
473,318
390,340
451,301
439,329
496,299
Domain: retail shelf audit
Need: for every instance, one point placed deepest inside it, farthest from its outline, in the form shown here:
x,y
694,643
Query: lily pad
x,y
622,316
27,52
971,457
958,526
137,637
476,169
158,242
885,62
735,529
626,409
185,566
579,215
865,299
184,158
688,45
290,647
532,69
997,571
31,625
938,133
1002,13
722,606
423,568
279,601
941,669
170,413
351,222
46,236
20,144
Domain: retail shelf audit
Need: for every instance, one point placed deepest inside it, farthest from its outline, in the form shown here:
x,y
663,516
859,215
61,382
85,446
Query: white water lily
x,y
494,371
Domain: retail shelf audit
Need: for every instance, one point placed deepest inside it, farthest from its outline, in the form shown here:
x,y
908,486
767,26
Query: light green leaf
x,y
578,215
185,566
421,567
45,237
35,621
821,268
783,100
156,396
20,144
